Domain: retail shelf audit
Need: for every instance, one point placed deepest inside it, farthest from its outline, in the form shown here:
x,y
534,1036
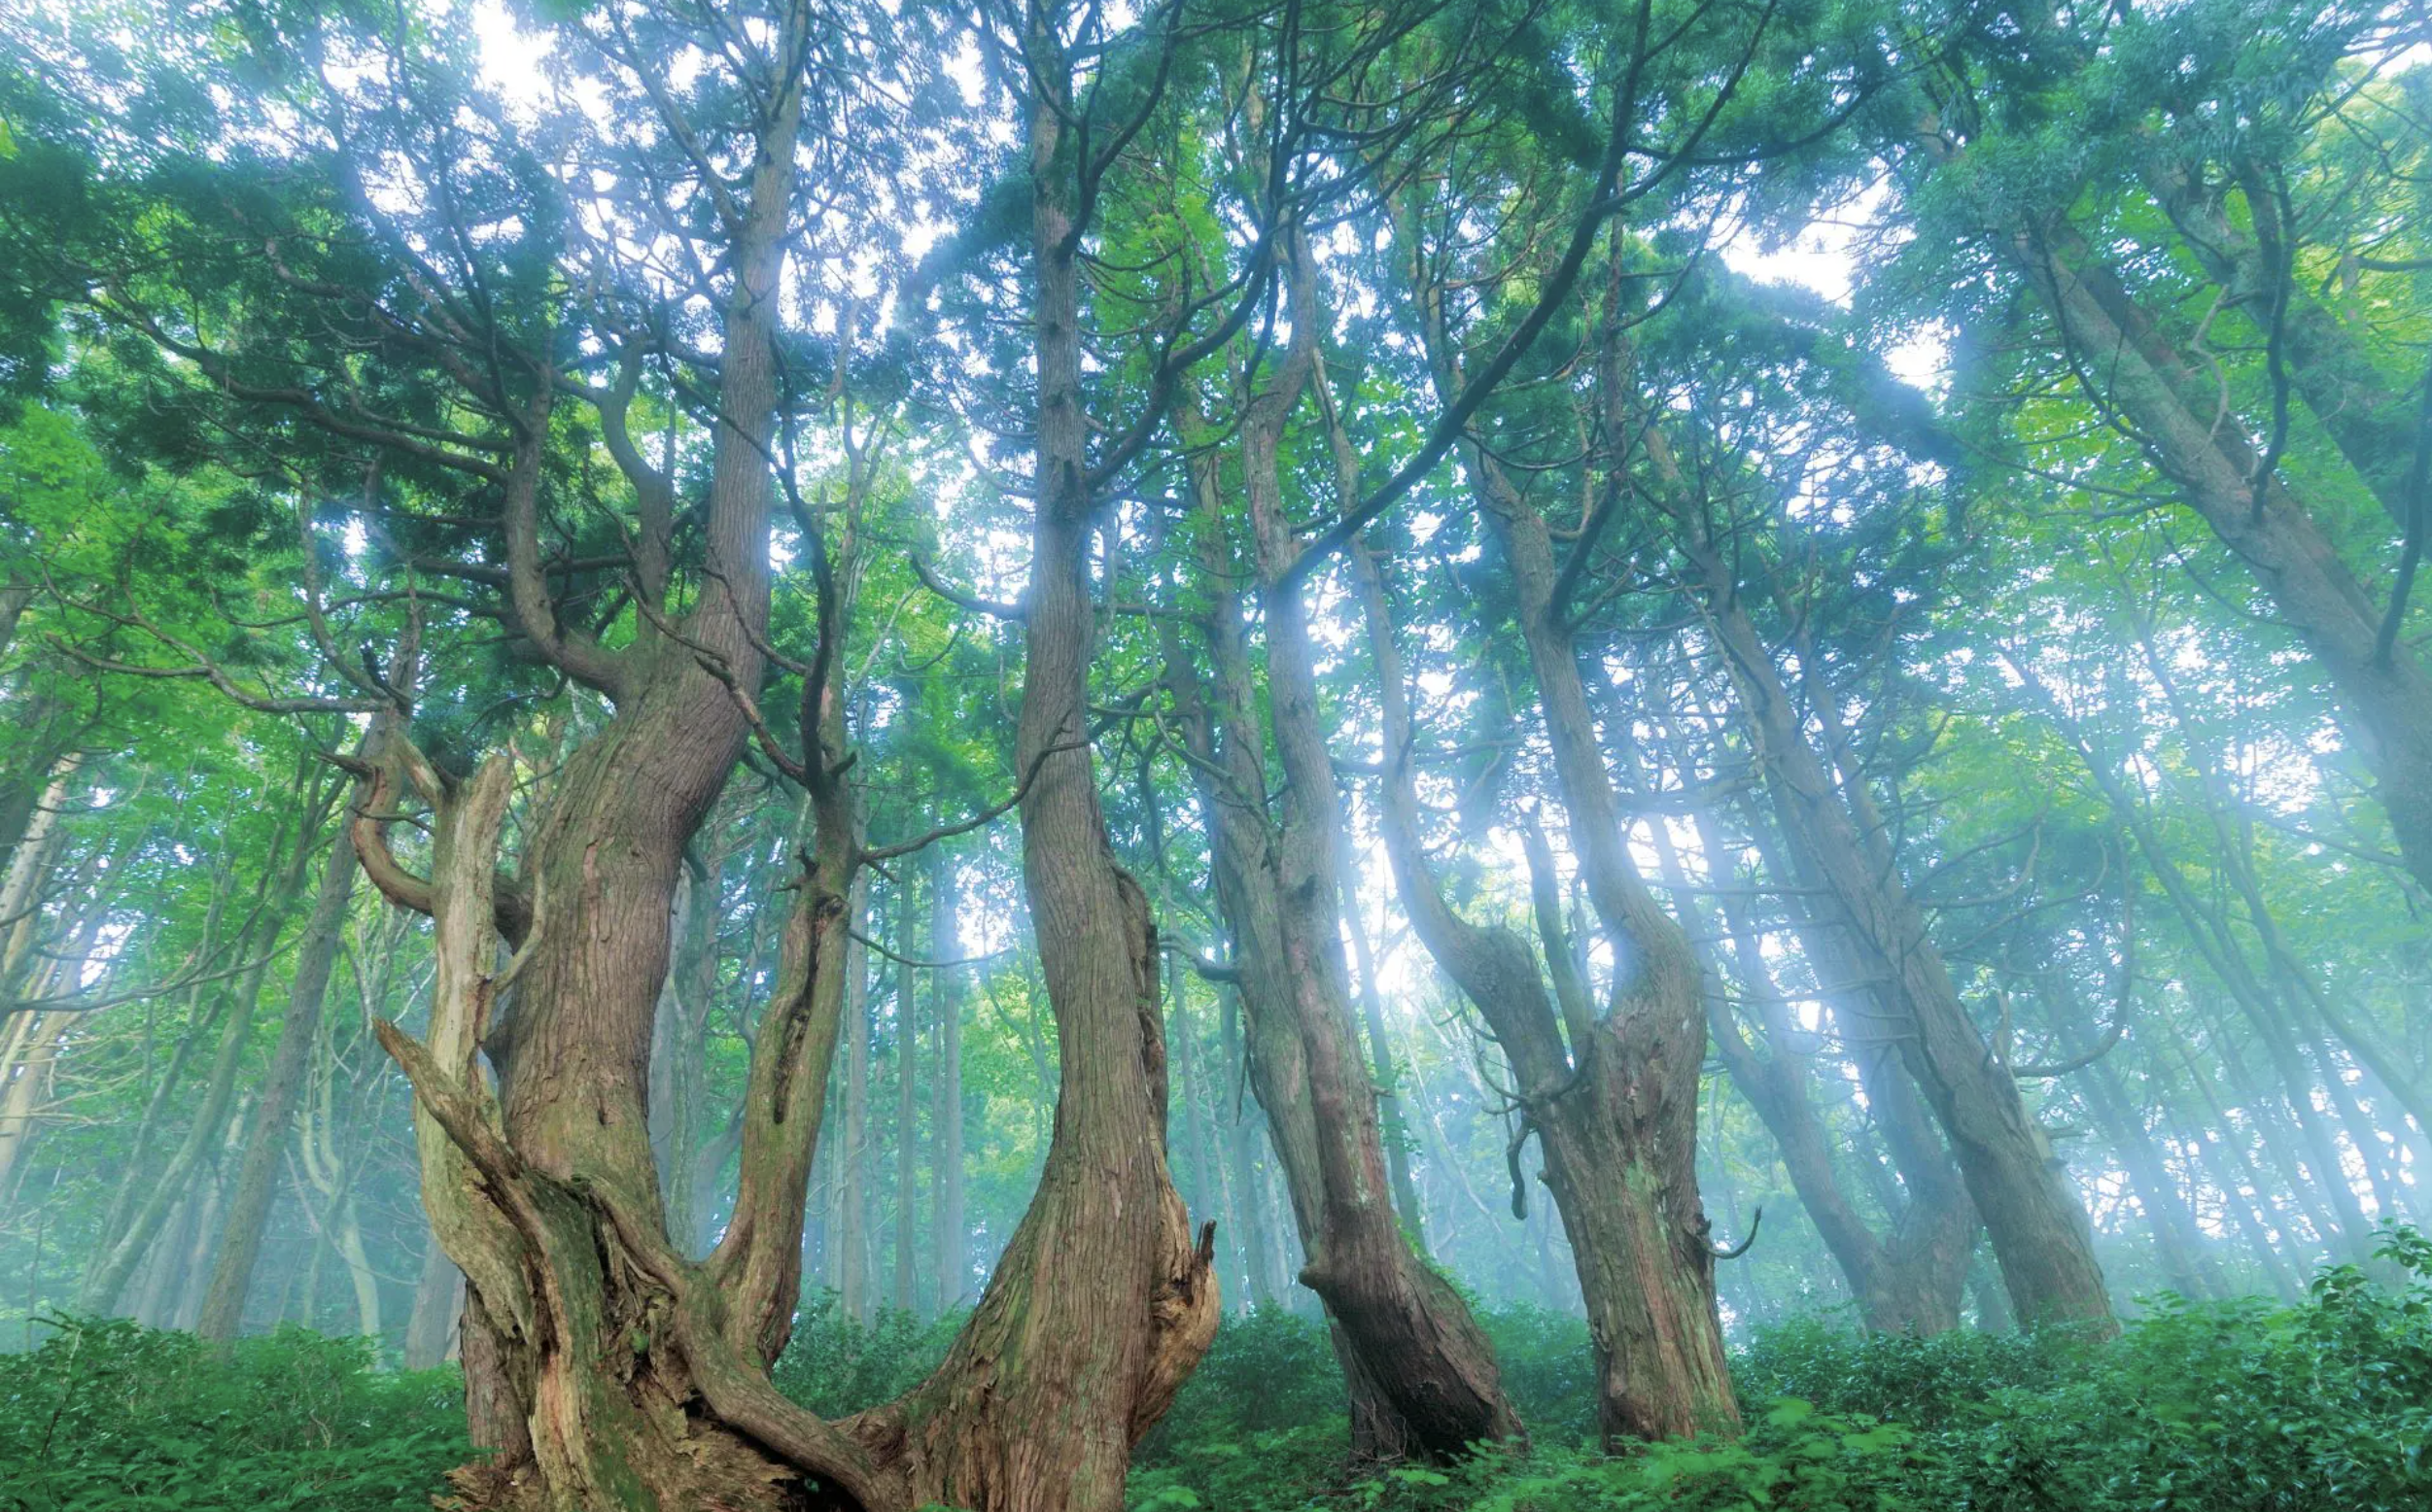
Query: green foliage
x,y
2223,1407
111,1417
1548,1369
836,1365
2220,1407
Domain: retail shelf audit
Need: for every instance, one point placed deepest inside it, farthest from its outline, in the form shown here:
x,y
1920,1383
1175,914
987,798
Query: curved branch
x,y
947,591
966,826
1756,1220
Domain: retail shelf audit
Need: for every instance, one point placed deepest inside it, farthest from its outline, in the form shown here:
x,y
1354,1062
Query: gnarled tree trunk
x,y
1611,1099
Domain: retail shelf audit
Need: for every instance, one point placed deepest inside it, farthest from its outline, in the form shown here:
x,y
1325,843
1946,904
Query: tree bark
x,y
1614,1105
1422,1376
1102,1305
1637,1063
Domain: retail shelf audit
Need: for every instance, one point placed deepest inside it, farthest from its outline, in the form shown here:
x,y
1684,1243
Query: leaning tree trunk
x,y
247,1216
1912,1278
2038,1230
1422,1376
2384,690
1613,1110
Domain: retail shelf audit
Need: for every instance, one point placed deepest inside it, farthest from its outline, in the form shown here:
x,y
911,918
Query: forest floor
x,y
2217,1407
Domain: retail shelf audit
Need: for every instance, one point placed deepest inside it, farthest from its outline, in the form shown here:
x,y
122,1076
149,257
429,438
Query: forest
x,y
1144,755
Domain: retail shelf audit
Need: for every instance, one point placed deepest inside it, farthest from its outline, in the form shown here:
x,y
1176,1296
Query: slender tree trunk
x,y
1422,1376
2386,700
248,1217
151,1283
2039,1228
950,1245
1397,1133
438,1302
2208,930
115,1263
908,1226
2177,1242
1246,1213
853,1179
2327,361
1909,1280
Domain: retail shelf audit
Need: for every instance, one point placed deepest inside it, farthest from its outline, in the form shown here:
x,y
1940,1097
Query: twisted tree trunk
x,y
1611,1098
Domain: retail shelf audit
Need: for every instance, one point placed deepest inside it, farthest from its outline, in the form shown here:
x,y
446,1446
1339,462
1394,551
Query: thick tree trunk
x,y
1102,1305
1640,1236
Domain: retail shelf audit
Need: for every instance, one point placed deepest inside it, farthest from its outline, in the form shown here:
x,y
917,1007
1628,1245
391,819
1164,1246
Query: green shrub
x,y
2220,1407
111,1417
1548,1369
835,1365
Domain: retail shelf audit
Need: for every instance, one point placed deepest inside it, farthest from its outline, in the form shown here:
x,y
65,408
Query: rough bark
x,y
1636,1065
1422,1376
1102,1305
1611,1097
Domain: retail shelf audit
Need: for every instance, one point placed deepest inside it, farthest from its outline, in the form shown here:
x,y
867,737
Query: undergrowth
x,y
2219,1407
111,1417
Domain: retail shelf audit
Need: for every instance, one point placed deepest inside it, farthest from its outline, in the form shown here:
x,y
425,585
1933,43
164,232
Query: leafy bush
x,y
1263,1421
2220,1407
835,1365
1548,1369
110,1416
2225,1407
